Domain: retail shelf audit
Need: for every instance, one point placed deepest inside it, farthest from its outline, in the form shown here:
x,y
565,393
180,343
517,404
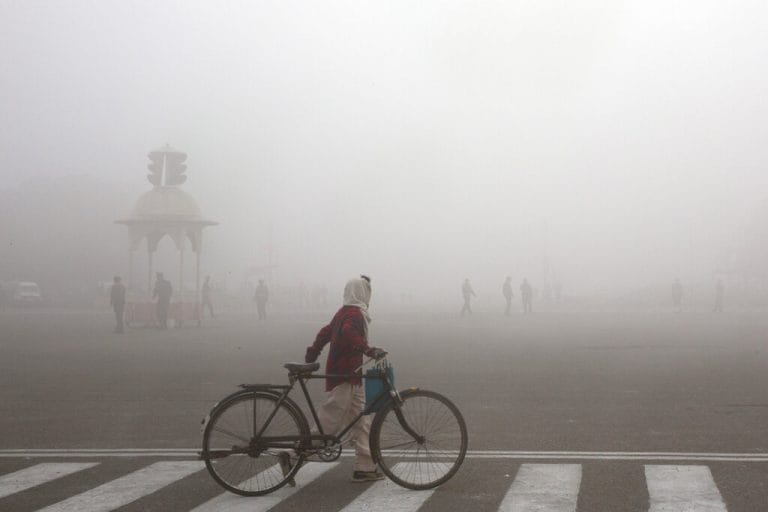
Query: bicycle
x,y
256,439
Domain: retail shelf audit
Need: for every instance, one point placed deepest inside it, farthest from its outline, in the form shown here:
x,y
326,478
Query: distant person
x,y
207,298
117,302
526,294
719,293
261,296
162,292
677,295
467,292
506,290
347,338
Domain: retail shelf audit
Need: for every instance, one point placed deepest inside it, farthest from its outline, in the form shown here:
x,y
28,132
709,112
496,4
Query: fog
x,y
612,146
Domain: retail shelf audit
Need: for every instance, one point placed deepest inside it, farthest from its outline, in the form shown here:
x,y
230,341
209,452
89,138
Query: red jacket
x,y
348,335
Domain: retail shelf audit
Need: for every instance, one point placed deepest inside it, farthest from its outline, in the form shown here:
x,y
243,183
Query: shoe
x,y
366,476
285,464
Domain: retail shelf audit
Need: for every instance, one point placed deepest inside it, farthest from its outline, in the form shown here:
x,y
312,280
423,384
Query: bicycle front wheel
x,y
231,451
434,455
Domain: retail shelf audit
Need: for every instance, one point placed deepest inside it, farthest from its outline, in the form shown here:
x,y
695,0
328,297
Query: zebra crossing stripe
x,y
39,474
229,502
682,488
544,488
680,457
128,488
387,496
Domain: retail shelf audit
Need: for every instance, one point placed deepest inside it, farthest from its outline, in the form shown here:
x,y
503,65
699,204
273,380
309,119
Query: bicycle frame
x,y
286,442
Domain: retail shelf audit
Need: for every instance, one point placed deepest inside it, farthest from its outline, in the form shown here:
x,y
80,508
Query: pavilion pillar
x,y
181,275
197,276
181,286
130,268
149,271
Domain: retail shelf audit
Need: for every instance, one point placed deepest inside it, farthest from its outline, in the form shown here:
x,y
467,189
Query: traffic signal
x,y
167,167
175,169
156,167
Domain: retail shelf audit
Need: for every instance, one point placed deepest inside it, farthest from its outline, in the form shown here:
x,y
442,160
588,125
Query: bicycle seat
x,y
301,367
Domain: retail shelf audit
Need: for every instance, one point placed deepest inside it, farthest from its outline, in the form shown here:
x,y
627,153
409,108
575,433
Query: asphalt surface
x,y
598,382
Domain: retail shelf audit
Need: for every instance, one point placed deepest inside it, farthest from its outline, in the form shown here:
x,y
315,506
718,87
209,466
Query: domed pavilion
x,y
167,210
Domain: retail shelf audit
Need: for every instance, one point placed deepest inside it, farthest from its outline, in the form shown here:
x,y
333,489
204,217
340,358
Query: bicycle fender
x,y
207,418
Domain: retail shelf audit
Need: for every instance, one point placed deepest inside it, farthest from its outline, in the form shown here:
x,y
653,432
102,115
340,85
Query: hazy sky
x,y
421,142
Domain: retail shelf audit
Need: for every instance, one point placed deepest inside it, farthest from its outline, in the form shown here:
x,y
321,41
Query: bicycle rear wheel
x,y
229,450
419,463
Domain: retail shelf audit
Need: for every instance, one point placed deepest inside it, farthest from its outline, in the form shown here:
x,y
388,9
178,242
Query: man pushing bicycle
x,y
417,438
347,335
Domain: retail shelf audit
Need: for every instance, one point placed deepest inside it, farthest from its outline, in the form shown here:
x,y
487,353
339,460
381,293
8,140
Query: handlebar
x,y
382,359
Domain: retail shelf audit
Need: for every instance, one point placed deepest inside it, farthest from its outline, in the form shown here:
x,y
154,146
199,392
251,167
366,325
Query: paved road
x,y
485,483
591,382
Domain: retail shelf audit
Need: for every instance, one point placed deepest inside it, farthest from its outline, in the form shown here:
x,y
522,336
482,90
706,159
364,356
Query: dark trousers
x,y
207,304
466,307
261,307
162,313
119,308
509,305
527,306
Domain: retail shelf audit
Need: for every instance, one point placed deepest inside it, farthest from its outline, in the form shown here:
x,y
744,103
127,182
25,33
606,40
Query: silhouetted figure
x,y
207,298
719,293
467,292
162,292
506,290
677,295
526,294
117,302
261,296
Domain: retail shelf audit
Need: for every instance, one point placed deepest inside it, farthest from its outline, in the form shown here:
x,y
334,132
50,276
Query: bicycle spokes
x,y
423,448
244,463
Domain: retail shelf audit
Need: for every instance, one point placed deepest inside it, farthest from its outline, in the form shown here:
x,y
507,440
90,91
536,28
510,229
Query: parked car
x,y
27,292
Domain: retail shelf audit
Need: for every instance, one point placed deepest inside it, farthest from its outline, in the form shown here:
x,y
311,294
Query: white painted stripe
x,y
544,488
387,496
229,502
127,489
682,489
37,475
472,454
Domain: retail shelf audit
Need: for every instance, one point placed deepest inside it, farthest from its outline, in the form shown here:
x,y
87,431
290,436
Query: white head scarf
x,y
357,293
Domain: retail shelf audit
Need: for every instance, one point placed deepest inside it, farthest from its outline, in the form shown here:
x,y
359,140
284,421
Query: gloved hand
x,y
377,353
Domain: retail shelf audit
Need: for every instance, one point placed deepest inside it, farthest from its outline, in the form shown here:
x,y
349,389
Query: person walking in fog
x,y
347,335
206,292
506,290
719,293
162,292
467,292
261,297
526,294
117,302
677,295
